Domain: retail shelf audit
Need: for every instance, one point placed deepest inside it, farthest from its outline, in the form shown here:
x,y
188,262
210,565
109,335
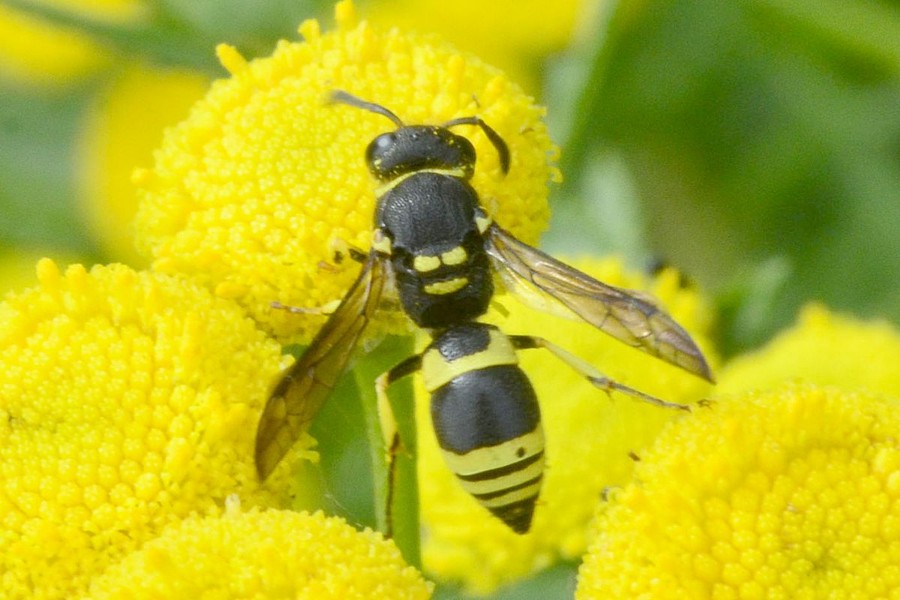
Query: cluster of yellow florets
x,y
824,348
588,438
788,493
266,555
252,191
793,493
129,400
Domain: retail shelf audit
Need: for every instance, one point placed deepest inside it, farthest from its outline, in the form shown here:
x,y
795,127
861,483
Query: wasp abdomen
x,y
487,420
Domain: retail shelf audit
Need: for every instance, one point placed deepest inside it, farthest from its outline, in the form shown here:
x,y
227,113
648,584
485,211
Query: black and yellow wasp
x,y
437,249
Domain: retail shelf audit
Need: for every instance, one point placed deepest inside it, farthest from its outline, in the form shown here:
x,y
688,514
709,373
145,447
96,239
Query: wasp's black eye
x,y
384,141
380,145
380,148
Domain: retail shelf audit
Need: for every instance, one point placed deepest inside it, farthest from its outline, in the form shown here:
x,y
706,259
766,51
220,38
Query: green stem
x,y
404,512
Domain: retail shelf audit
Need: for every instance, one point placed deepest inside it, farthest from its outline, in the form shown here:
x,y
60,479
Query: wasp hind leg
x,y
393,445
589,372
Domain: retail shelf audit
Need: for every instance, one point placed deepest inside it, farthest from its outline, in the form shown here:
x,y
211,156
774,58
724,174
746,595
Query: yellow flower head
x,y
588,438
793,493
823,348
263,555
252,191
127,401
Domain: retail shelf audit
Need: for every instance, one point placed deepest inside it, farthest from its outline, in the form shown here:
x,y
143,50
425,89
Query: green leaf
x,y
403,512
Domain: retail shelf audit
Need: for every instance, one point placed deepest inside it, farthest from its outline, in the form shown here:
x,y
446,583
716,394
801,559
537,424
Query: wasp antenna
x,y
342,97
493,136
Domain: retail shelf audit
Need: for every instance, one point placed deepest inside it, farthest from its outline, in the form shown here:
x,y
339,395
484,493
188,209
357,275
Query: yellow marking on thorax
x,y
437,371
423,264
457,256
441,288
384,188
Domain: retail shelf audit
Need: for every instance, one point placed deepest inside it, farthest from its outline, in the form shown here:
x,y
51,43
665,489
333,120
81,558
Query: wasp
x,y
436,248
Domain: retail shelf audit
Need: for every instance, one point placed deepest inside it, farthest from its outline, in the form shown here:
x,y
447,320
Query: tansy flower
x,y
127,401
250,194
34,51
823,348
588,438
263,555
120,132
791,493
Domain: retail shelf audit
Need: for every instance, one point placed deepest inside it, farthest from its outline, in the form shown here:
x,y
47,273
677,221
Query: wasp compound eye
x,y
380,150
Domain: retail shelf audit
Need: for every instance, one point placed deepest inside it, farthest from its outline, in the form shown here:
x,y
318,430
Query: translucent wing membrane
x,y
536,277
307,383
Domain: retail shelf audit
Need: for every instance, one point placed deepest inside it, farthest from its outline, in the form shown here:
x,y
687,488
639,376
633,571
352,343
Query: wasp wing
x,y
535,276
306,384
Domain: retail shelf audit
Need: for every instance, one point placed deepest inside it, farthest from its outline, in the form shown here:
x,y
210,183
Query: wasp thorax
x,y
416,148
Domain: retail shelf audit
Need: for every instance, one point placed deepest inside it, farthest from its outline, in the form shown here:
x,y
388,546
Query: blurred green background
x,y
753,144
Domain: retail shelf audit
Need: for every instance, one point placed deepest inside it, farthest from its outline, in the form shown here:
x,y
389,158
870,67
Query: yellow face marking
x,y
437,371
441,288
423,264
457,256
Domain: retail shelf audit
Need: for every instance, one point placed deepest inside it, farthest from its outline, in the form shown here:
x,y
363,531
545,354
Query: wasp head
x,y
412,148
419,147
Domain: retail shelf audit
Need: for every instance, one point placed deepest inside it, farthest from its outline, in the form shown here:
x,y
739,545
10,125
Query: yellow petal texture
x,y
36,52
824,348
264,555
588,438
119,134
127,401
792,493
252,190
